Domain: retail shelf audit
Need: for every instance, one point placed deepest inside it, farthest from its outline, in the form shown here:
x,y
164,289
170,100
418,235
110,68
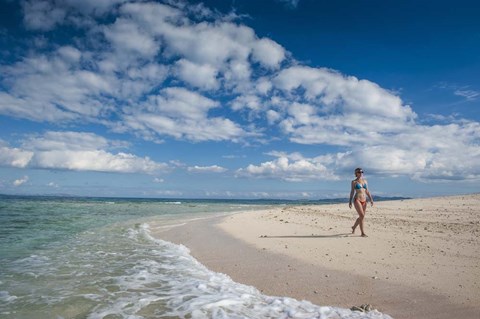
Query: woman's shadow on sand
x,y
343,235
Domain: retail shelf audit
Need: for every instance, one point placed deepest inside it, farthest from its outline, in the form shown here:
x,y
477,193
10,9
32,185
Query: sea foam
x,y
186,288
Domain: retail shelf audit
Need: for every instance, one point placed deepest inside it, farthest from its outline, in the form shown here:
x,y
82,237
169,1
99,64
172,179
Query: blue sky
x,y
239,99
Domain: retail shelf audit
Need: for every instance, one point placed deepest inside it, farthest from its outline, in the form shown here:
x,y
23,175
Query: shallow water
x,y
94,258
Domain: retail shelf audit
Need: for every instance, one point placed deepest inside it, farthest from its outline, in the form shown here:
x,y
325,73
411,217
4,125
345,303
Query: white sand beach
x,y
421,259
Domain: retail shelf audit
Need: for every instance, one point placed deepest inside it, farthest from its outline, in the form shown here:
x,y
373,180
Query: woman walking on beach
x,y
360,188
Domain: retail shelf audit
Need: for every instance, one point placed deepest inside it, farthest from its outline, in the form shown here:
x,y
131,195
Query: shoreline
x,y
322,263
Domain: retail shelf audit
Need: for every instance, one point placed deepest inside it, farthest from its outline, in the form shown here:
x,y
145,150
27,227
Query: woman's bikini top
x,y
360,186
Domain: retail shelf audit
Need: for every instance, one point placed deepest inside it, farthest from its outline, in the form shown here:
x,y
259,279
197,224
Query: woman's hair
x,y
359,169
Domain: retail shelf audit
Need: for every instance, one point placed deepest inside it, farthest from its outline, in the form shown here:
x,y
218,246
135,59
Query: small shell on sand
x,y
362,308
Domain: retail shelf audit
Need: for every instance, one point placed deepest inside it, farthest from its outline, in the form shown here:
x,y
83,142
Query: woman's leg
x,y
361,214
355,225
364,206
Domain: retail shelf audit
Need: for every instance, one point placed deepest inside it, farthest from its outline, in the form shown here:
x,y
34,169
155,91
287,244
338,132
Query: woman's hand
x,y
371,203
350,204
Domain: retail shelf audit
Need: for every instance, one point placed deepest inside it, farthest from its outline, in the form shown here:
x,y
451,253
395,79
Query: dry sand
x,y
421,259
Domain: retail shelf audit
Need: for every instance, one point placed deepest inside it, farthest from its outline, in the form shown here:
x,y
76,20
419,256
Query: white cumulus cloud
x,y
126,35
20,181
203,76
207,169
76,151
115,65
95,160
290,167
14,157
45,15
424,153
183,114
52,184
42,15
268,52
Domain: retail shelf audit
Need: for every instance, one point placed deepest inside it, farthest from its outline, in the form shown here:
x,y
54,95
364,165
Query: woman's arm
x,y
351,195
368,194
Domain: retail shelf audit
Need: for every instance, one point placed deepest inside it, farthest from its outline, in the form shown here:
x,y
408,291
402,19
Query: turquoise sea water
x,y
95,258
